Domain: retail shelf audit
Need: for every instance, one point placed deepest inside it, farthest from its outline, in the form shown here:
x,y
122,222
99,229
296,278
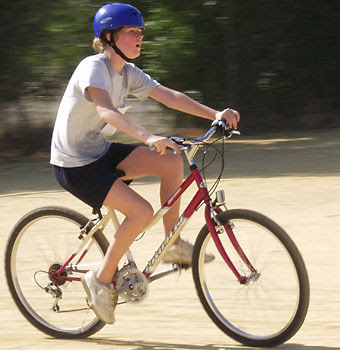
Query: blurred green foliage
x,y
275,61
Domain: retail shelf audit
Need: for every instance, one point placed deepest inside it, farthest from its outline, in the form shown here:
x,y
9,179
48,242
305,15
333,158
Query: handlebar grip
x,y
178,140
220,123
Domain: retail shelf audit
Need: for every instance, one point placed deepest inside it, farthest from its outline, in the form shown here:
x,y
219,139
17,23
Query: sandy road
x,y
294,179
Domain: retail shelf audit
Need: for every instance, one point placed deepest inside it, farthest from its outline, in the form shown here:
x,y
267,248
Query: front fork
x,y
216,227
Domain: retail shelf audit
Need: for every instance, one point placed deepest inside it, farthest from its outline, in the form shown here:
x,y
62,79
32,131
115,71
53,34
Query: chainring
x,y
131,284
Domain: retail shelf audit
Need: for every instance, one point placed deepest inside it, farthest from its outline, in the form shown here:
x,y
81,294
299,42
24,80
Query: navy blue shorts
x,y
91,183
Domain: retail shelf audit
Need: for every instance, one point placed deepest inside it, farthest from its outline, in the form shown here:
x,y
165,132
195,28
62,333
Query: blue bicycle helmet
x,y
112,16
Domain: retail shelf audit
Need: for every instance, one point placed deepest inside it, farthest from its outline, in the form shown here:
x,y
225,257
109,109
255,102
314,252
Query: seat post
x,y
114,218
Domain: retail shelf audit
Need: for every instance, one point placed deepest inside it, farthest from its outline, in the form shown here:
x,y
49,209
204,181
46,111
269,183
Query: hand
x,y
161,143
230,116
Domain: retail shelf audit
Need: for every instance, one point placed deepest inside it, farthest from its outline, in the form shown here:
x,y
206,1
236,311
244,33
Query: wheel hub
x,y
55,277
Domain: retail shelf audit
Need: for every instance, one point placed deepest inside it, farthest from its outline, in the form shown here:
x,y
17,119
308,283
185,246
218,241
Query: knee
x,y
178,162
175,169
148,212
143,214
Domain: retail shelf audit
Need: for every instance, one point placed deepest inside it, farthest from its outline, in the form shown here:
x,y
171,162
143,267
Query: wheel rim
x,y
264,308
41,245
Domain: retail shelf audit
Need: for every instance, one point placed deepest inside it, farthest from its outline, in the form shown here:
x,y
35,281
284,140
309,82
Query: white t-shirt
x,y
77,135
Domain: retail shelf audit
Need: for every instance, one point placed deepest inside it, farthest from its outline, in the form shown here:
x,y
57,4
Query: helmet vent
x,y
105,20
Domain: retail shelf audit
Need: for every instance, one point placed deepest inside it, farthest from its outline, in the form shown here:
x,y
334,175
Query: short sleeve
x,y
140,83
95,74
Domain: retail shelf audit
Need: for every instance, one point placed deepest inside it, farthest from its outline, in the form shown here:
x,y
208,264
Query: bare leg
x,y
144,162
138,212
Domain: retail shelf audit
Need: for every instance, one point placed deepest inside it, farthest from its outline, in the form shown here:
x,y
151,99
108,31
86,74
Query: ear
x,y
108,37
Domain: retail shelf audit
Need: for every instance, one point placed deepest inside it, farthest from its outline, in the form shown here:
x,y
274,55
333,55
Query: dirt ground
x,y
294,178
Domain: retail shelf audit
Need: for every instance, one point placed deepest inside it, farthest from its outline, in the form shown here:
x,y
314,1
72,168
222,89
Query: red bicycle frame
x,y
202,195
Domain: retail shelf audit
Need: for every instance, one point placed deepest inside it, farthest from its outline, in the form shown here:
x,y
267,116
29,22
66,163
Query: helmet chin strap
x,y
112,44
119,52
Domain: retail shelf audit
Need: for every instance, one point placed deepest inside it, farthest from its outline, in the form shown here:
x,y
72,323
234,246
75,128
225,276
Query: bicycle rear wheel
x,y
41,242
269,309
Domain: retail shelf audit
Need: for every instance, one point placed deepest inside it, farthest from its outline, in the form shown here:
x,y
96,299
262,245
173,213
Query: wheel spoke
x,y
271,305
38,247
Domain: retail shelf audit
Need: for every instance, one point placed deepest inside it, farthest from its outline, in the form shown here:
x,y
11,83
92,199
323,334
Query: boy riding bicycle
x,y
86,163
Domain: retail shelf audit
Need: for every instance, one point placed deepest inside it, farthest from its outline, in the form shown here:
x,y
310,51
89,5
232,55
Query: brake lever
x,y
229,133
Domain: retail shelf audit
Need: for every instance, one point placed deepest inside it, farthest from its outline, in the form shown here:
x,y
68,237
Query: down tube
x,y
201,194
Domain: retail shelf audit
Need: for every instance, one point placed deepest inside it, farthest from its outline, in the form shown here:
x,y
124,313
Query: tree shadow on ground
x,y
147,345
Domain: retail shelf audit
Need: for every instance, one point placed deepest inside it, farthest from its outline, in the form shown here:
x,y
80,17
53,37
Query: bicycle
x,y
256,290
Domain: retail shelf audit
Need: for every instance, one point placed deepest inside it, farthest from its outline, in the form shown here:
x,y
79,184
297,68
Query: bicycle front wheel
x,y
40,243
270,307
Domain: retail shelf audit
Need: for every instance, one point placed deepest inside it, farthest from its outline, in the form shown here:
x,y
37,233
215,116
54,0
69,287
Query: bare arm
x,y
112,116
181,102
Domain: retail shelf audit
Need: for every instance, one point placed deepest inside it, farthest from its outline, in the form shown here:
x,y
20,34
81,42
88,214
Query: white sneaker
x,y
181,253
101,297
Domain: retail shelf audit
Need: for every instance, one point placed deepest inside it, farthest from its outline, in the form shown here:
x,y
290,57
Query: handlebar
x,y
217,124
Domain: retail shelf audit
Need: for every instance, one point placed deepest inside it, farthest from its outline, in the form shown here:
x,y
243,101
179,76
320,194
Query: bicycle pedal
x,y
182,266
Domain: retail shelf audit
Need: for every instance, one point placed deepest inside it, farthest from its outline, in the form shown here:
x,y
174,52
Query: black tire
x,y
266,311
42,238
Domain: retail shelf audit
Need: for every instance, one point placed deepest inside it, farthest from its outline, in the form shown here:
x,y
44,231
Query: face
x,y
129,41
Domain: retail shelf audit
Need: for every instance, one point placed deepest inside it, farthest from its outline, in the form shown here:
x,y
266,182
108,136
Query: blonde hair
x,y
99,45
